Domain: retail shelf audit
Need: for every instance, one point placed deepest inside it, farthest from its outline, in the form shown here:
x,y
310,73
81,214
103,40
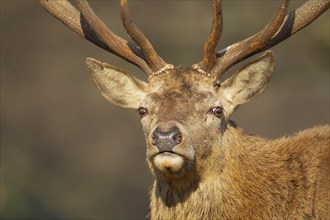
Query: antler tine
x,y
120,46
153,60
211,44
292,23
65,12
244,48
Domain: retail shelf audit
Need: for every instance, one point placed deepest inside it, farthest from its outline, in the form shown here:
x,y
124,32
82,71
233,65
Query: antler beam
x,y
70,16
279,29
120,46
88,25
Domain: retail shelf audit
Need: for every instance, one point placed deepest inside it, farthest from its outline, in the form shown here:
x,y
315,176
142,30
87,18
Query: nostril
x,y
154,140
177,138
176,135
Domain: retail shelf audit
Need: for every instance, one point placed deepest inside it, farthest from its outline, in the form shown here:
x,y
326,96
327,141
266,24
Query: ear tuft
x,y
94,64
268,56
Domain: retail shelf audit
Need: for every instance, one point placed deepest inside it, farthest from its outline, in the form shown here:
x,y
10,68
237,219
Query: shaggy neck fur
x,y
255,179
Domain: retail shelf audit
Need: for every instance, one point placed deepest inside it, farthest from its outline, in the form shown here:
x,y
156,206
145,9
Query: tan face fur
x,y
186,101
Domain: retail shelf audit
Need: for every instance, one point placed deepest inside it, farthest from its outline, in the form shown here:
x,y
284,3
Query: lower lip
x,y
168,161
167,153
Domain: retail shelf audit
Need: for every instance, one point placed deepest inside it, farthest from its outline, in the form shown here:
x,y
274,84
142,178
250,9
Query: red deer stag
x,y
205,167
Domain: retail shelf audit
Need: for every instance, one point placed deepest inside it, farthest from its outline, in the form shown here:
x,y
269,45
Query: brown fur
x,y
217,171
204,166
255,179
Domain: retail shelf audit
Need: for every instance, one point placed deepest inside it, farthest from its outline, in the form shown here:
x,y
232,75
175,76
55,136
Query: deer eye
x,y
142,111
217,111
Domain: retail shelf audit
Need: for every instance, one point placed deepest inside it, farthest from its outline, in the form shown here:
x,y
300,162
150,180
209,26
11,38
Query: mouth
x,y
167,153
168,161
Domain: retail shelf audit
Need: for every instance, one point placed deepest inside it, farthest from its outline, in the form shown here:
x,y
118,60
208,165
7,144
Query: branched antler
x,y
88,25
278,29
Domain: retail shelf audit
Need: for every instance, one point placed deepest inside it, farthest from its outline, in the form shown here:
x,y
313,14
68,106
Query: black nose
x,y
165,141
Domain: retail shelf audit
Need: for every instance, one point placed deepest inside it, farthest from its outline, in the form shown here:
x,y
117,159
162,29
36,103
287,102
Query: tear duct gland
x,y
205,167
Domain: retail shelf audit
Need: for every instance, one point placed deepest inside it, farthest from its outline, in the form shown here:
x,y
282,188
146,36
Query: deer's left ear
x,y
248,82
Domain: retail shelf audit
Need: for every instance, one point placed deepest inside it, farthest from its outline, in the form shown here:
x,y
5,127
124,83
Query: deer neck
x,y
204,195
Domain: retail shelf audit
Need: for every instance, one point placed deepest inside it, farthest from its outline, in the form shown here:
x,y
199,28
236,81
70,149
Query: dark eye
x,y
142,111
217,111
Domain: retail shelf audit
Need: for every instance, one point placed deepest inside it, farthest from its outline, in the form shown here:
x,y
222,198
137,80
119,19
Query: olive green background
x,y
66,153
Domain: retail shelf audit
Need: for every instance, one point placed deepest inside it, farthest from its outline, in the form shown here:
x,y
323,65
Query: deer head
x,y
181,110
184,111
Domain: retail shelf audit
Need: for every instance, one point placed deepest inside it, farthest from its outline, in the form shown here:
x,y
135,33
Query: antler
x,y
88,25
154,61
278,29
211,44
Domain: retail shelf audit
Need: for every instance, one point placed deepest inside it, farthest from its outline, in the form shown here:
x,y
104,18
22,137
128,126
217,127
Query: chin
x,y
171,166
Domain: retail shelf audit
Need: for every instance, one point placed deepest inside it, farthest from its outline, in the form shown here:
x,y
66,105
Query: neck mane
x,y
195,198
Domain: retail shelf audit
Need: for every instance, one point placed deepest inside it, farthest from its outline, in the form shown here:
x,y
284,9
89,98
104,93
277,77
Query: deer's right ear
x,y
117,86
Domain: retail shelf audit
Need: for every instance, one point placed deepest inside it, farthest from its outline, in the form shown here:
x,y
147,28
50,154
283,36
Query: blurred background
x,y
66,153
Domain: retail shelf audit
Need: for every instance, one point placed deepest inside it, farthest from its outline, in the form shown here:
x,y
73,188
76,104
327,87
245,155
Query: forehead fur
x,y
176,91
181,81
